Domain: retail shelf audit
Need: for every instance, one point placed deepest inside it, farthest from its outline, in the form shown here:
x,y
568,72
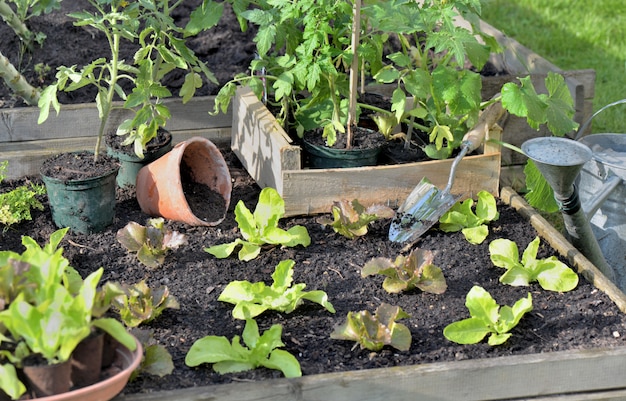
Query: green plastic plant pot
x,y
325,157
130,164
86,206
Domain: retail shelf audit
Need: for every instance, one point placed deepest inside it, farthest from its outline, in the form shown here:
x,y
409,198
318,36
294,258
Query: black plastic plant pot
x,y
84,205
325,157
130,163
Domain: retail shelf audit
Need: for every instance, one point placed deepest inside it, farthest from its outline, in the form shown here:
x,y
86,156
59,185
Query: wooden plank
x,y
311,191
261,144
526,376
25,158
79,120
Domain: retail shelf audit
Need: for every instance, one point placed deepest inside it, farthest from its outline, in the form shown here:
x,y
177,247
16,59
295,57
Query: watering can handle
x,y
583,128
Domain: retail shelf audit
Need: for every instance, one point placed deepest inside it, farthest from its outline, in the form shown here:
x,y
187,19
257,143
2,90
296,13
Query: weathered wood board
x,y
268,154
25,144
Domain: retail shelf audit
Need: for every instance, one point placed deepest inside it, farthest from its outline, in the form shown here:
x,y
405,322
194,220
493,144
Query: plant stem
x,y
12,20
16,82
354,70
114,43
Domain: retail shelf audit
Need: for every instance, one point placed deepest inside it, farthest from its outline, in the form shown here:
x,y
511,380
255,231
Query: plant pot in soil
x,y
130,163
81,191
190,184
87,360
44,380
365,150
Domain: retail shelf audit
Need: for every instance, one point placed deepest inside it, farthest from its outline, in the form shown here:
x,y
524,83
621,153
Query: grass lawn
x,y
573,34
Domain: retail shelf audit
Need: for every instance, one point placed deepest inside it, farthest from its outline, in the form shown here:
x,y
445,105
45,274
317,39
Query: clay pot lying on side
x,y
160,184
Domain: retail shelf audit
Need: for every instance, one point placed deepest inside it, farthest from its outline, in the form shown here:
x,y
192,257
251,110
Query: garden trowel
x,y
426,203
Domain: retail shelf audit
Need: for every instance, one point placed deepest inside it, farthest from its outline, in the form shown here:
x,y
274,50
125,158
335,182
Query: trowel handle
x,y
488,118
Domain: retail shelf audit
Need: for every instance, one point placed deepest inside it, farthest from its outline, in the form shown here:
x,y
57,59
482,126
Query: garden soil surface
x,y
581,319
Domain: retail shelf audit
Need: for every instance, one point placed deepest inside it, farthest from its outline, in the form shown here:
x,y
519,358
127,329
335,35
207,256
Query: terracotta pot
x,y
117,376
48,380
159,185
87,360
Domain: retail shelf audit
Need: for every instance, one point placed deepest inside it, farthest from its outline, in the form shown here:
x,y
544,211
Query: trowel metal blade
x,y
419,212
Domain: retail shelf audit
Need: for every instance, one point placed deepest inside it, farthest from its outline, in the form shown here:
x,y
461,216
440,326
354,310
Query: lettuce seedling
x,y
461,218
406,273
252,299
351,219
487,317
140,304
259,350
551,273
261,228
16,205
374,332
151,242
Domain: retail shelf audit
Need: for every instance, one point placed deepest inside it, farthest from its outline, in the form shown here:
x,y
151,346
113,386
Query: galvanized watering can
x,y
602,190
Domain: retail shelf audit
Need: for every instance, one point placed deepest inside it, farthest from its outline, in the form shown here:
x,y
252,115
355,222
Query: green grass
x,y
573,34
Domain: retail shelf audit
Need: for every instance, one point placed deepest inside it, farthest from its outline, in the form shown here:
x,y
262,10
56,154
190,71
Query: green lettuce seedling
x,y
487,317
374,332
406,273
252,299
261,228
351,219
140,304
461,217
259,350
151,242
15,205
551,273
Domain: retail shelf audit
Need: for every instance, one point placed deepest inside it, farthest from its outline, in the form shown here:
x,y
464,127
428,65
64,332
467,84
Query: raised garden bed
x,y
570,344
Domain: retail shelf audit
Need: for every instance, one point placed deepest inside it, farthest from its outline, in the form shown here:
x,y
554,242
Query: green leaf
x,y
10,383
481,305
466,331
503,253
285,362
116,330
204,17
556,276
540,194
210,349
157,361
224,250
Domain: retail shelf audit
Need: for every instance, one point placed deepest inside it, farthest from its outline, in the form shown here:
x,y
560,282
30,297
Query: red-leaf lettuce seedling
x,y
151,242
374,332
408,272
351,219
252,299
140,304
461,218
487,317
551,273
261,228
259,350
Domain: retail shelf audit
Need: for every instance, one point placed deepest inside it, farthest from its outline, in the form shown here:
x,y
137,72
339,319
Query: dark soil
x,y
226,50
581,319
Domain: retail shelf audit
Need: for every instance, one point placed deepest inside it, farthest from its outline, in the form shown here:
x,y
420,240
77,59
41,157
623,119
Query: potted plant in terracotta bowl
x,y
160,51
48,311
